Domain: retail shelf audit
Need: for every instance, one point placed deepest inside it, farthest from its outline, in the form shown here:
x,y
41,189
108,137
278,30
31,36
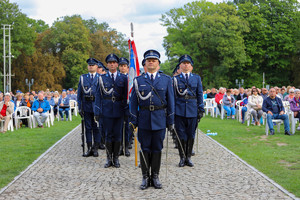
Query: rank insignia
x,y
143,93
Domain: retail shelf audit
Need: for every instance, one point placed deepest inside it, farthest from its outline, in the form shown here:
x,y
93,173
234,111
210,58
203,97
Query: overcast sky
x,y
145,15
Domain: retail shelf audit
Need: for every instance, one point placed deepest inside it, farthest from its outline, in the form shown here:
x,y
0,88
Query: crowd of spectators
x,y
258,101
40,104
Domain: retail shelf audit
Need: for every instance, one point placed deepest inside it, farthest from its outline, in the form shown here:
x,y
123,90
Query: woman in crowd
x,y
290,96
18,101
229,104
255,102
55,99
6,110
295,106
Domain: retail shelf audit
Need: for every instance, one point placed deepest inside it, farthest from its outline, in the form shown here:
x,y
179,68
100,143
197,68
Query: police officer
x,y
188,96
101,68
111,103
124,68
151,110
86,98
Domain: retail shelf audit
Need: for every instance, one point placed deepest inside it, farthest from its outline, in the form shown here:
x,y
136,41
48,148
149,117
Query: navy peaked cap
x,y
152,54
186,58
112,57
92,61
123,60
176,68
143,62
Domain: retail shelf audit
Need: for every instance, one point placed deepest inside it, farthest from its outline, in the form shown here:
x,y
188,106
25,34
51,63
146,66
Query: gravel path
x,y
62,173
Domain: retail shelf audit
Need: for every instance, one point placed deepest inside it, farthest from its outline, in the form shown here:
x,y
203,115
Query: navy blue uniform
x,y
155,112
86,98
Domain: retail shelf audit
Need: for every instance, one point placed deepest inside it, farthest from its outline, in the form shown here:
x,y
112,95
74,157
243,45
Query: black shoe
x,y
95,149
129,145
182,152
288,133
116,151
193,152
189,149
155,167
121,152
272,132
127,153
89,151
145,164
109,162
101,146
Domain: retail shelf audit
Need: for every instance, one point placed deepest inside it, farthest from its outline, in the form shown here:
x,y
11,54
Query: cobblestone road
x,y
64,174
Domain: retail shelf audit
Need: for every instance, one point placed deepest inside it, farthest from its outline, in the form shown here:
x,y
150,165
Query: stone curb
x,y
254,169
37,160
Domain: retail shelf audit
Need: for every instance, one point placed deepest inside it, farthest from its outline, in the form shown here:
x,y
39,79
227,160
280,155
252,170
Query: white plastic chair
x,y
73,106
51,115
239,110
10,125
23,112
209,106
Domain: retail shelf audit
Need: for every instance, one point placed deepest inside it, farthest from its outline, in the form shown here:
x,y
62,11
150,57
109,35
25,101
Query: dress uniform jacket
x,y
188,95
140,110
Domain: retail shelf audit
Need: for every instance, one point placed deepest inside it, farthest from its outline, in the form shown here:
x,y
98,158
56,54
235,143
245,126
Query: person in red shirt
x,y
219,97
6,110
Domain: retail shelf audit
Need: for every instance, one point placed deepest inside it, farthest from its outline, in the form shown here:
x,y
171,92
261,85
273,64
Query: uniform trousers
x,y
113,128
91,129
151,140
185,127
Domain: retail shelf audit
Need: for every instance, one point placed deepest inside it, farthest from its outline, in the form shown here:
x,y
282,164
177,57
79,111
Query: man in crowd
x,y
273,106
40,108
64,105
111,103
264,93
242,94
86,98
189,108
72,95
212,93
151,110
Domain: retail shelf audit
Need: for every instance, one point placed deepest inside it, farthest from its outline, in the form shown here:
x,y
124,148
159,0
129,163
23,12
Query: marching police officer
x,y
111,103
188,96
124,68
151,110
101,68
86,98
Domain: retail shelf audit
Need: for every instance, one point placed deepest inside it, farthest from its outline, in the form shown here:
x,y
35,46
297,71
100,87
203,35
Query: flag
x,y
134,69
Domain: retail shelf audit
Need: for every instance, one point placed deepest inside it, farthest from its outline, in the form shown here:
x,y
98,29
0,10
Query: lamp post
x,y
29,83
239,83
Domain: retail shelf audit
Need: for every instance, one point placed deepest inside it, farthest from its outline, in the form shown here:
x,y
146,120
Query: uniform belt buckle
x,y
113,99
186,96
151,107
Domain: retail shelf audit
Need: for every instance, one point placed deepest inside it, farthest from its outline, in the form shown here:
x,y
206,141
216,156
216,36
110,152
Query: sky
x,y
145,15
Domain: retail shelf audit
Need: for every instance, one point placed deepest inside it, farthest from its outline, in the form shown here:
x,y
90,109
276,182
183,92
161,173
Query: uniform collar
x,y
115,74
154,74
94,74
189,73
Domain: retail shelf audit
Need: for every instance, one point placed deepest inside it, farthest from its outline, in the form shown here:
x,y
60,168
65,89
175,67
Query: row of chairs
x,y
211,107
24,112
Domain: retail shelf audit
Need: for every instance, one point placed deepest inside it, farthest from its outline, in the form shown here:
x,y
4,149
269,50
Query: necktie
x,y
112,77
152,78
92,77
186,77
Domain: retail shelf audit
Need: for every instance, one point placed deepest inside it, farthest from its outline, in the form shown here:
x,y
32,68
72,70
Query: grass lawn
x,y
20,148
277,156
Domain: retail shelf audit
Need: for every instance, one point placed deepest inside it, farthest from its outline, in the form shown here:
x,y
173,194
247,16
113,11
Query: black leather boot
x,y
89,150
182,153
109,162
95,149
102,142
116,151
127,153
155,167
145,165
189,149
121,153
193,152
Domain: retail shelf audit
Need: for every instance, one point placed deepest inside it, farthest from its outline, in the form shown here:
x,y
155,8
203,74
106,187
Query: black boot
x,y
155,166
108,163
189,149
145,164
182,153
127,153
129,145
116,151
95,149
193,152
121,153
89,151
102,146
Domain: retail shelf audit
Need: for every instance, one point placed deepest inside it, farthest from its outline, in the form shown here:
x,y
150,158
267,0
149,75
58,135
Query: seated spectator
x,y
255,102
26,102
6,111
205,93
18,101
64,106
241,95
229,104
212,93
295,106
1,96
235,93
264,93
219,97
56,99
41,108
290,96
287,91
282,92
72,95
245,108
273,106
50,99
